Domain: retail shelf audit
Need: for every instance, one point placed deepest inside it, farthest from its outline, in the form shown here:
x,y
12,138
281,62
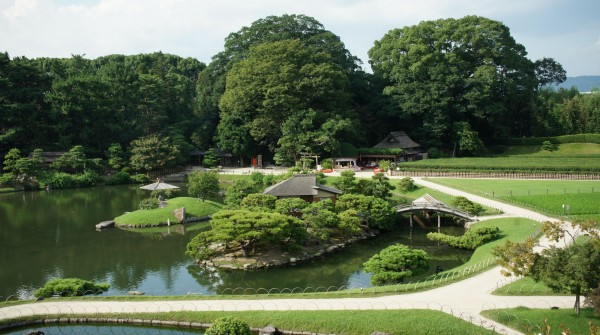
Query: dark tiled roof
x,y
299,185
397,139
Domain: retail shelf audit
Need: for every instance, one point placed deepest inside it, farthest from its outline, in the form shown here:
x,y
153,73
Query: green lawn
x,y
569,158
562,149
525,286
529,320
348,322
546,196
193,207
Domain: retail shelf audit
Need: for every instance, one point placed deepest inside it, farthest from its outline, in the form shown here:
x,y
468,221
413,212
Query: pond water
x,y
51,234
92,329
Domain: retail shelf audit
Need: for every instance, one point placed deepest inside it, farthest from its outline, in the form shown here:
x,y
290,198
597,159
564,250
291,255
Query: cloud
x,y
191,28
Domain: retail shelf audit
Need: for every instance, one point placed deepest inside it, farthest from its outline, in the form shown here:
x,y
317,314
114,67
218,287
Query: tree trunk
x,y
577,307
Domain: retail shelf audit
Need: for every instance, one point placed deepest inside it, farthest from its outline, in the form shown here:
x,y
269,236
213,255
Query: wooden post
x,y
439,222
411,223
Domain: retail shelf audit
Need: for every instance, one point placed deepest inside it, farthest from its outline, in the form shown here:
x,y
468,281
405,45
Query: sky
x,y
565,30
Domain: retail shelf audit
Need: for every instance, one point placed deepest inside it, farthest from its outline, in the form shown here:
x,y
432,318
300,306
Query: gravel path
x,y
464,299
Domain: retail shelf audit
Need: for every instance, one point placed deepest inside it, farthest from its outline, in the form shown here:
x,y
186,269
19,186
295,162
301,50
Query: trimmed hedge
x,y
577,138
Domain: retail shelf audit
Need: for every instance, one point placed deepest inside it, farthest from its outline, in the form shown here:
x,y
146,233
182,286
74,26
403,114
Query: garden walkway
x,y
464,299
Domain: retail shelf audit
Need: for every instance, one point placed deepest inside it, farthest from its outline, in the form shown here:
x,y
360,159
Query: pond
x,y
51,234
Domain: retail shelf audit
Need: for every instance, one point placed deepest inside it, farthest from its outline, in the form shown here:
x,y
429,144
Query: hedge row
x,y
577,138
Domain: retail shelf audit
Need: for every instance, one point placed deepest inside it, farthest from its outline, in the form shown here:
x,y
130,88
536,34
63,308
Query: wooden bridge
x,y
427,203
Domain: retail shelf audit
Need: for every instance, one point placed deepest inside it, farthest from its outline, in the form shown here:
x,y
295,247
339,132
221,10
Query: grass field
x,y
348,322
546,196
525,286
581,158
193,207
529,320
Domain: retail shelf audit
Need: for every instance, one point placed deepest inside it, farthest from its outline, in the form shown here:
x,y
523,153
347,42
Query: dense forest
x,y
286,85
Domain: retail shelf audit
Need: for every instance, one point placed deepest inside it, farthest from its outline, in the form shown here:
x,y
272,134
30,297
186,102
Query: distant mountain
x,y
583,83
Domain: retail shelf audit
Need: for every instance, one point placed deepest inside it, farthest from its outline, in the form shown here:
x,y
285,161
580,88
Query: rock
x,y
379,333
35,332
293,260
135,293
269,330
105,224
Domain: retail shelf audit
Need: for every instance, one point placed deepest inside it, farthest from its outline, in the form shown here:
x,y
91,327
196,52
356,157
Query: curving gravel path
x,y
464,299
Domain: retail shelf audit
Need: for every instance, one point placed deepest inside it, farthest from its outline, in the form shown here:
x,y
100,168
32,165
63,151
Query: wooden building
x,y
305,187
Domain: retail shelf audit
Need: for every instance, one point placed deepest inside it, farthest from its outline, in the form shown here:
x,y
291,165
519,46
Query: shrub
x,y
119,178
467,205
149,203
548,146
327,164
140,178
228,326
471,239
395,263
434,153
87,179
406,185
69,287
61,180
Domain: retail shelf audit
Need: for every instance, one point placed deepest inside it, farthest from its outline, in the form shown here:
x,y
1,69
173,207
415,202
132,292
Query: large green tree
x,y
203,184
306,30
286,81
446,71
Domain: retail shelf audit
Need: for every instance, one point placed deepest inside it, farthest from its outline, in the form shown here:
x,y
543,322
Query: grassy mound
x,y
154,217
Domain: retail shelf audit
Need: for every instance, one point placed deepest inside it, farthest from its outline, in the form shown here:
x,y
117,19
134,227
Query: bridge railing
x,y
441,208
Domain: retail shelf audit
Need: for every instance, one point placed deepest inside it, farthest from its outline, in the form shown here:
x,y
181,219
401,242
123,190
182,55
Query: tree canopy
x,y
446,71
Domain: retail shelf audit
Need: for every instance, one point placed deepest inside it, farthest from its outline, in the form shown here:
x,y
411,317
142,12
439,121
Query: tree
x,y
116,156
259,202
10,162
238,191
346,182
311,35
381,186
574,268
210,159
548,71
152,153
320,220
285,80
72,161
407,184
441,72
246,229
373,212
396,262
290,206
203,184
228,326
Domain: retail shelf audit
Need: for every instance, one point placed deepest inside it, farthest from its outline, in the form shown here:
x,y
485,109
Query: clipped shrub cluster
x,y
396,262
471,240
407,184
65,287
119,178
467,205
228,326
577,138
149,203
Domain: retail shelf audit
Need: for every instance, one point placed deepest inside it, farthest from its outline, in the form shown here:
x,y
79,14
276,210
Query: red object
x,y
377,170
327,171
